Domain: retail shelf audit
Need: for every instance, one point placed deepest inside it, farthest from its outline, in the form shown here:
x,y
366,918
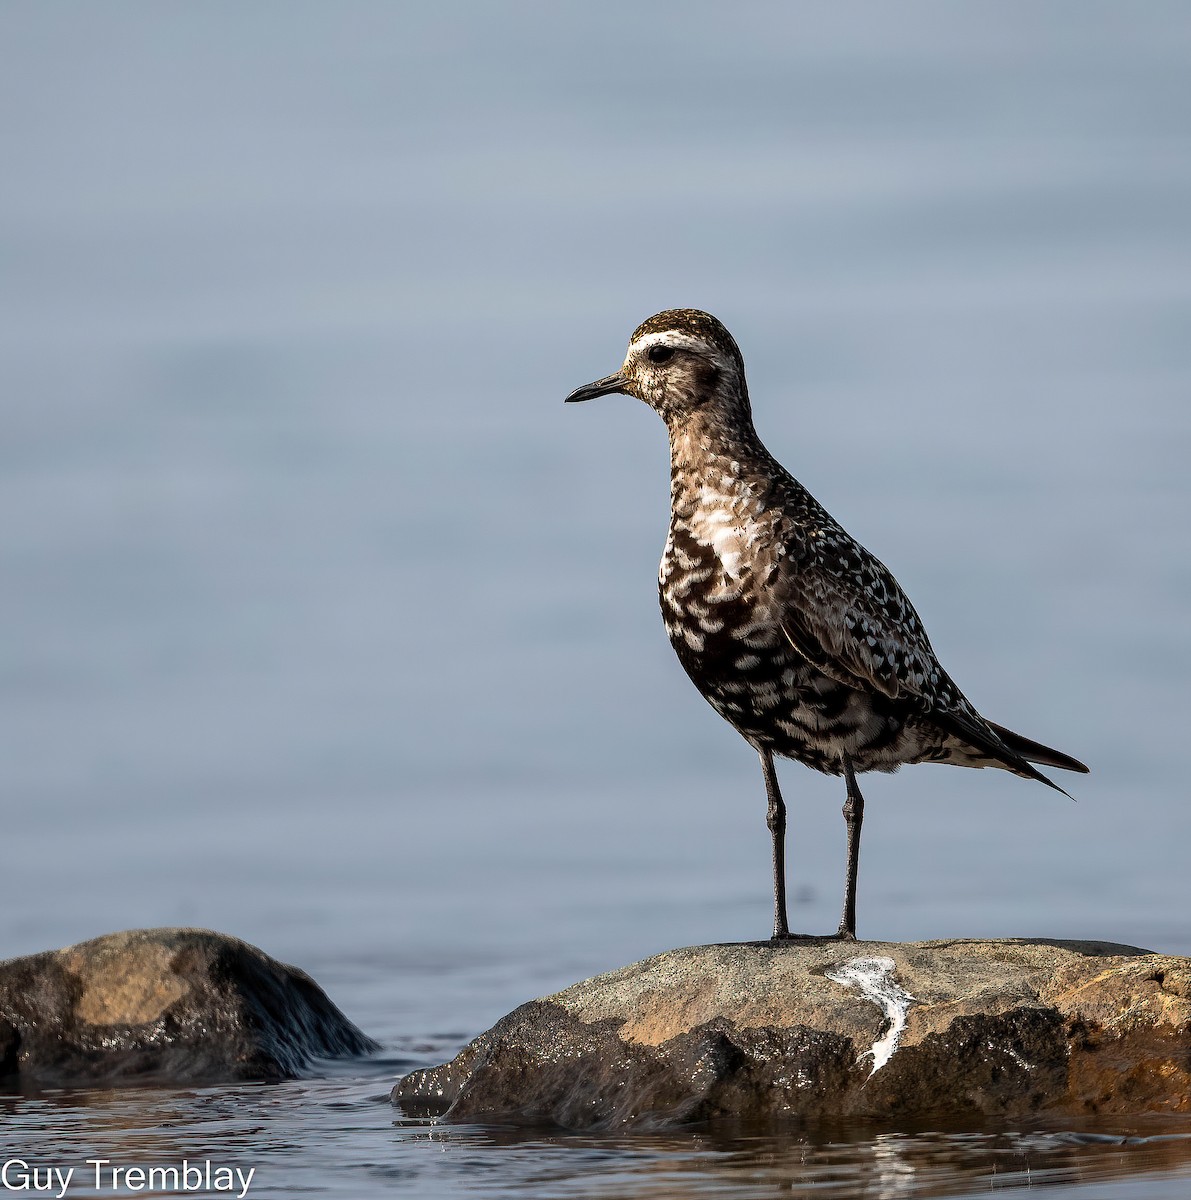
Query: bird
x,y
795,634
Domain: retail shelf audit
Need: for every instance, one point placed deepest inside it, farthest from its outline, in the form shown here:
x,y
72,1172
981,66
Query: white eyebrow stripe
x,y
671,337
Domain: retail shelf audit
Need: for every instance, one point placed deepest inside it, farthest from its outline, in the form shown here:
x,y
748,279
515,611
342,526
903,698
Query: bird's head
x,y
679,362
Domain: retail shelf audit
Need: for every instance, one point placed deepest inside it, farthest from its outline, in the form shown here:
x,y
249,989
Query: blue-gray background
x,y
326,624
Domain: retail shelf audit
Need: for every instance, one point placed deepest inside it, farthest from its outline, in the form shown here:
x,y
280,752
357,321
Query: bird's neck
x,y
707,450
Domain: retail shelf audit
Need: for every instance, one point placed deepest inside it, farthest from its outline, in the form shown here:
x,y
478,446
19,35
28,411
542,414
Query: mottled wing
x,y
845,613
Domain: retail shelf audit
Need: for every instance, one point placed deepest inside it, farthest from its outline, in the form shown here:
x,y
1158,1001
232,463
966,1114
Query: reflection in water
x,y
339,1133
853,1162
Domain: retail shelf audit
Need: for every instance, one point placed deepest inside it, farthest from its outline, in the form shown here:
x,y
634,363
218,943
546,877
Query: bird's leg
x,y
854,815
775,818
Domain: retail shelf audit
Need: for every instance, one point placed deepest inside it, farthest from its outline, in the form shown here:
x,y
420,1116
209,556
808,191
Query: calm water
x,y
328,626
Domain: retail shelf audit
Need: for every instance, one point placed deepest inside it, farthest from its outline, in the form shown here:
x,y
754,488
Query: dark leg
x,y
854,815
776,820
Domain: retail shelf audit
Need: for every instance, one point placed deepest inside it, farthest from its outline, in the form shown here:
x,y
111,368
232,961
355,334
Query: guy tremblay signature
x,y
103,1175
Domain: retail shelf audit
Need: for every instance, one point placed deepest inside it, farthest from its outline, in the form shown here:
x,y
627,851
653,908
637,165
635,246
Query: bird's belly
x,y
735,652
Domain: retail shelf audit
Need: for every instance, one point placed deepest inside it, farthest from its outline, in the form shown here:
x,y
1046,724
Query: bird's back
x,y
796,634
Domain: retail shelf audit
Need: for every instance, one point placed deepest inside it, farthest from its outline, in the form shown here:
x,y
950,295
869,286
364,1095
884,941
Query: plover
x,y
795,634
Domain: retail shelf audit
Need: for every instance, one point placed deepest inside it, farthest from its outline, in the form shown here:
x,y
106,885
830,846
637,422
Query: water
x,y
328,626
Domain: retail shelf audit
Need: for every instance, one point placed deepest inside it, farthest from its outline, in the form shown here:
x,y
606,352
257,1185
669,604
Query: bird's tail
x,y
1036,752
999,746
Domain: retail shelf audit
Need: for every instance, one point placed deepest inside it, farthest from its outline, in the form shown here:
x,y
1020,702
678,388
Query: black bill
x,y
601,387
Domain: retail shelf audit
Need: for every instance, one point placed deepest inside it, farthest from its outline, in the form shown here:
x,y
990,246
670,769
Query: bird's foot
x,y
844,935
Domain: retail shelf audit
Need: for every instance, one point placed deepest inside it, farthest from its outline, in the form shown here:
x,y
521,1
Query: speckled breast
x,y
726,634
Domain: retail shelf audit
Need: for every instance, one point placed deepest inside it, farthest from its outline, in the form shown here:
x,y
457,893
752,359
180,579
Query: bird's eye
x,y
659,354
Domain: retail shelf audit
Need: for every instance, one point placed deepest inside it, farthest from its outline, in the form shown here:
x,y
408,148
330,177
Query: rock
x,y
163,1005
822,1029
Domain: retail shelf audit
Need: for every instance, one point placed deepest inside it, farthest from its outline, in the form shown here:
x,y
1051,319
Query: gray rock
x,y
163,1005
821,1029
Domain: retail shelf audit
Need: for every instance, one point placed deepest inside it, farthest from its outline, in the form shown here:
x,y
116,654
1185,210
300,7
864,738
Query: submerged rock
x,y
163,1005
821,1029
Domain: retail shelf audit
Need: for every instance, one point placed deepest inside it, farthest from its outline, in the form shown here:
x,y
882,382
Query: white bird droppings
x,y
873,977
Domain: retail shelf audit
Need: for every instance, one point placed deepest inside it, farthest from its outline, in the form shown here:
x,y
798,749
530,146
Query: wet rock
x,y
817,1029
163,1005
